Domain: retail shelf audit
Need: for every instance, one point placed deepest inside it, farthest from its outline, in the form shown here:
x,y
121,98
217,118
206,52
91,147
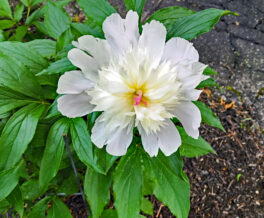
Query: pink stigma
x,y
138,98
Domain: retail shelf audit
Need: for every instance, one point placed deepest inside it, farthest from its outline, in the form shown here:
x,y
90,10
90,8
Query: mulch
x,y
229,184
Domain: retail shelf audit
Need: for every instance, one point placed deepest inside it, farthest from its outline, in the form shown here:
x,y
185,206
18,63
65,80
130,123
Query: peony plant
x,y
115,97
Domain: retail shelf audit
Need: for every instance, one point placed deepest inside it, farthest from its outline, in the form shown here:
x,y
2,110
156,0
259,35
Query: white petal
x,y
99,134
97,48
152,40
169,138
190,117
120,33
73,82
75,105
149,141
180,50
119,142
85,62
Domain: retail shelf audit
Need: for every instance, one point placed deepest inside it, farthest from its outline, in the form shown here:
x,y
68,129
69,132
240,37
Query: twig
x,y
161,206
75,173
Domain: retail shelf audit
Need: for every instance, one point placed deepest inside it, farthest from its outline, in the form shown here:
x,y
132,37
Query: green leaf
x,y
128,184
18,133
58,209
15,199
209,71
169,15
170,188
69,185
59,66
56,20
88,29
208,115
50,162
4,5
30,189
96,10
135,5
65,38
193,147
109,213
2,37
21,31
6,24
45,47
146,206
97,190
86,152
17,77
40,208
207,83
35,2
191,26
8,181
18,12
23,53
10,99
35,15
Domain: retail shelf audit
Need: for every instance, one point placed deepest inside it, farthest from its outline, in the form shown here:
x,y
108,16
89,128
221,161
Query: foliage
x,y
35,37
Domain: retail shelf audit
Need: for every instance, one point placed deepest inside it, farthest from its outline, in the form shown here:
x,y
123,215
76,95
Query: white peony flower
x,y
136,81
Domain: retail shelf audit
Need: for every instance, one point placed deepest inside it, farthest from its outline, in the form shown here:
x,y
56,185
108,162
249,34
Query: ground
x,y
230,184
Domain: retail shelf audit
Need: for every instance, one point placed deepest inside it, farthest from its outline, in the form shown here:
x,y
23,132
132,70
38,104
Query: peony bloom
x,y
136,81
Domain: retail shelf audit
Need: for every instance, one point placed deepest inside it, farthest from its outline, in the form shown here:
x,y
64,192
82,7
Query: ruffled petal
x,y
85,62
99,49
75,105
152,40
190,117
169,139
119,141
179,50
121,34
73,82
149,141
99,134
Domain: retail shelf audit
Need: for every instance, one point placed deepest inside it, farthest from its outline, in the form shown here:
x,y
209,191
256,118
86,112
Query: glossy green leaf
x,y
207,83
6,24
169,15
10,99
8,181
88,29
18,12
5,7
15,199
209,71
40,208
135,5
193,147
17,77
23,53
208,115
191,26
59,66
30,189
65,38
56,20
128,184
97,190
96,10
109,213
146,206
58,209
50,162
45,47
170,188
18,133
